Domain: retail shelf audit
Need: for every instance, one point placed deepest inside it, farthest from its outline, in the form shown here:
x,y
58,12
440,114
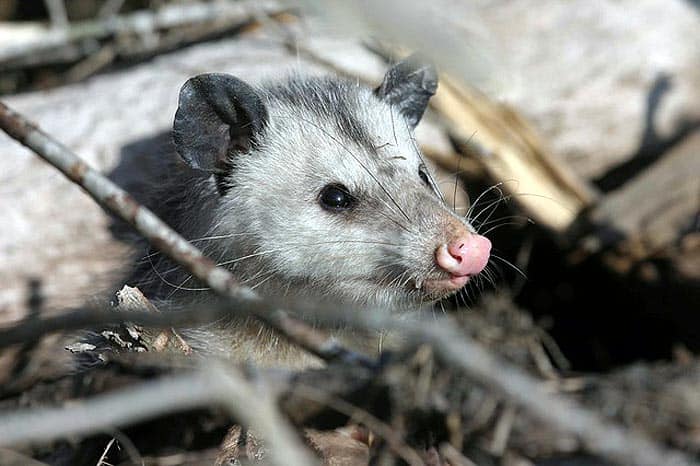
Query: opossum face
x,y
324,192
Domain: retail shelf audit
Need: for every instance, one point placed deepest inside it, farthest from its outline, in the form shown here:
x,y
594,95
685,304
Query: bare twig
x,y
110,8
57,13
214,385
127,445
502,431
116,200
103,457
454,456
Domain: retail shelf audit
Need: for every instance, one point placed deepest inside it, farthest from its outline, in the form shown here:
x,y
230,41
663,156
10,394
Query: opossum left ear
x,y
408,86
218,116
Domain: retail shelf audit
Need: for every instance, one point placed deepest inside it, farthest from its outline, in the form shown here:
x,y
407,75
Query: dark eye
x,y
336,197
423,173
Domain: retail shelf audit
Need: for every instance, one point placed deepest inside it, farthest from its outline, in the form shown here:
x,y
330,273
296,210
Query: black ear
x,y
408,86
217,116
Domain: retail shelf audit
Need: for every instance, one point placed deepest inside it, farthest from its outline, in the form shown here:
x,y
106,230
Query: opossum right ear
x,y
218,116
408,85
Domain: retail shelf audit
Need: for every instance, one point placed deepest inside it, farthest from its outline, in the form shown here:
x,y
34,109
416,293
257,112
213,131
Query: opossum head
x,y
323,192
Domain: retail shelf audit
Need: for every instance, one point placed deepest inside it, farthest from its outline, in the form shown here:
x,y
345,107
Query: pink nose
x,y
464,256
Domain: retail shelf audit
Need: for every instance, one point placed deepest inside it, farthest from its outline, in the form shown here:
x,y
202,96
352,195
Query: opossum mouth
x,y
444,286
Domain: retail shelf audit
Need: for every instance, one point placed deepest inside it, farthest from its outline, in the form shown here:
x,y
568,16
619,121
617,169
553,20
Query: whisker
x,y
495,271
393,127
495,227
542,196
486,276
177,287
249,256
491,205
476,201
514,195
493,210
506,217
266,279
459,163
197,240
268,273
510,264
287,245
442,307
189,276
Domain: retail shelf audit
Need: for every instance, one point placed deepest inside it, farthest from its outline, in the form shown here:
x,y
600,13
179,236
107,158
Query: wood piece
x,y
651,213
499,139
131,299
338,448
600,79
67,43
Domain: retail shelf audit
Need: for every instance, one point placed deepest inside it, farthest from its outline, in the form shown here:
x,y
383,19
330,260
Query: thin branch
x,y
117,201
103,457
57,13
109,8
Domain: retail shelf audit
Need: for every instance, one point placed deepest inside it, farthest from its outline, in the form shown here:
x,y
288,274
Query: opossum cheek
x,y
464,256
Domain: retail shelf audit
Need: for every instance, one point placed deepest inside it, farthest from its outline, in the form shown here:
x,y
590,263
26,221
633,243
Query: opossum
x,y
311,188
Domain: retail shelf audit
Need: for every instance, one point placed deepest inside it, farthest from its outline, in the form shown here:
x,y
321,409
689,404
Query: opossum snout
x,y
464,256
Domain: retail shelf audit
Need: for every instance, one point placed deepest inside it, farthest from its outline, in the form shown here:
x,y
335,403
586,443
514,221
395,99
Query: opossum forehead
x,y
339,125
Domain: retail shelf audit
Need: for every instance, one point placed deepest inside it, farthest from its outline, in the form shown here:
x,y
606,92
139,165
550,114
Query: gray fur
x,y
267,225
